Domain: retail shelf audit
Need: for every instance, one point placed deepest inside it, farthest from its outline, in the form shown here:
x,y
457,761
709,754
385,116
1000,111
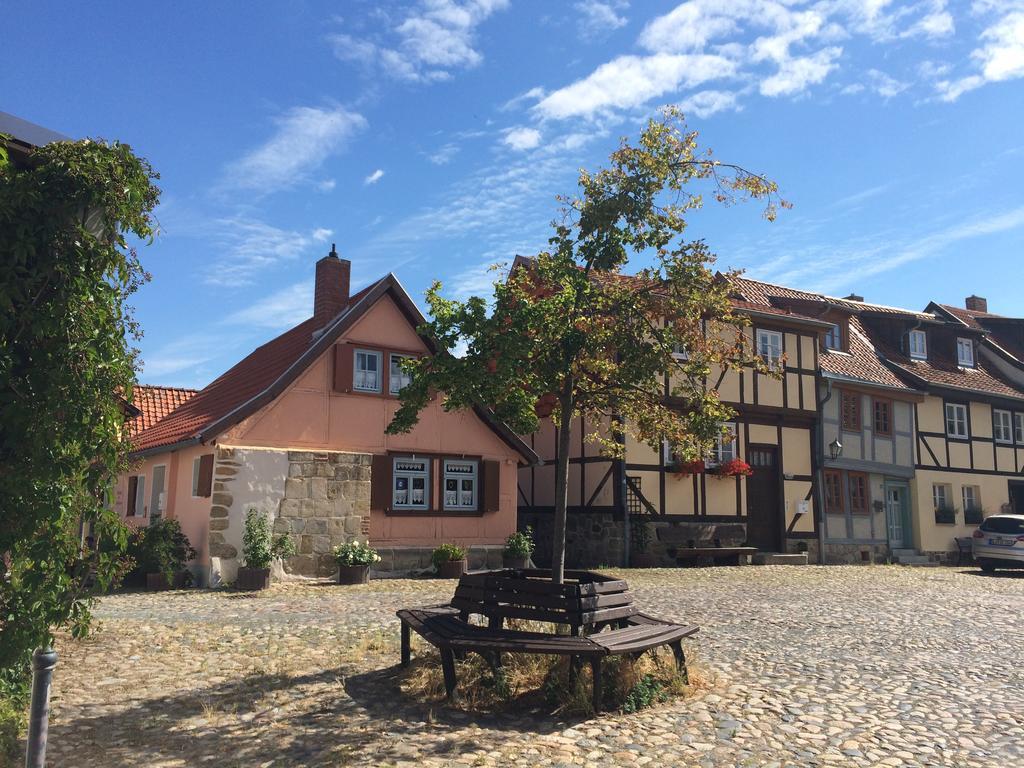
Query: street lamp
x,y
835,448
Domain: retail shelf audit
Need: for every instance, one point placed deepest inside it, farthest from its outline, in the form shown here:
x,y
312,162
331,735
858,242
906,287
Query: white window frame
x,y
838,334
410,475
1018,428
975,498
140,496
679,352
1002,426
158,503
356,370
196,462
461,504
957,409
724,450
917,351
771,357
405,377
940,490
964,352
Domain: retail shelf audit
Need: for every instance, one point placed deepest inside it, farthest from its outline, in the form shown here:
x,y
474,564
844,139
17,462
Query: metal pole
x,y
43,662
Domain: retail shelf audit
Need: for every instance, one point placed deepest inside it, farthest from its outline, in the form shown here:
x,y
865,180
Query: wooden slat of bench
x,y
554,601
450,631
641,637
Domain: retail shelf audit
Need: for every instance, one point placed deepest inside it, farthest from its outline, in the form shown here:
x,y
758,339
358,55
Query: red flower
x,y
686,468
735,468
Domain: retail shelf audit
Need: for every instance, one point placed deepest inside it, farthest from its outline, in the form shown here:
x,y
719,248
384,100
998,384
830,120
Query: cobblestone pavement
x,y
807,666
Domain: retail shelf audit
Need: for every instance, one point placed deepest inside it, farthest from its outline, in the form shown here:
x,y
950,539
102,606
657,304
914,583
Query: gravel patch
x,y
807,666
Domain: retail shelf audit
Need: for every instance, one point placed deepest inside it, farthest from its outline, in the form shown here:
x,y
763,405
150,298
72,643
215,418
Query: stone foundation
x,y
592,539
855,554
405,561
320,498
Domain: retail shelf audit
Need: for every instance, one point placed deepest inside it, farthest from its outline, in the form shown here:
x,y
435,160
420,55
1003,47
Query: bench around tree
x,y
599,612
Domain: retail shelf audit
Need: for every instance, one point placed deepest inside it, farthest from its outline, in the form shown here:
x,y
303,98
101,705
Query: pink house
x,y
297,429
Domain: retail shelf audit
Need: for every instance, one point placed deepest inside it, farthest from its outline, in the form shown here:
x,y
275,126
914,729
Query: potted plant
x,y
449,560
734,468
259,550
160,552
518,548
683,469
354,561
640,539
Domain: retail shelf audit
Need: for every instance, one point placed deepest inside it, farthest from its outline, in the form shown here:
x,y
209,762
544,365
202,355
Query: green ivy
x,y
67,269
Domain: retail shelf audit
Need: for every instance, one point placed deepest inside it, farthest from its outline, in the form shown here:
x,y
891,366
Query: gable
x,y
383,325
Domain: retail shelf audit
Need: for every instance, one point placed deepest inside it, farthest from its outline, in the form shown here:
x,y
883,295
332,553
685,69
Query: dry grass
x,y
533,682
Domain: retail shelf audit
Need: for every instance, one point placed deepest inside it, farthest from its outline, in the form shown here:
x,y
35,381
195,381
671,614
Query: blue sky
x,y
430,137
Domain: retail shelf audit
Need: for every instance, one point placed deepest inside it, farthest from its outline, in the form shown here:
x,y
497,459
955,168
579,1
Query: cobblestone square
x,y
806,666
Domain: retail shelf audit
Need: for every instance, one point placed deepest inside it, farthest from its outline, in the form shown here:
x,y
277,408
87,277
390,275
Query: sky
x,y
430,138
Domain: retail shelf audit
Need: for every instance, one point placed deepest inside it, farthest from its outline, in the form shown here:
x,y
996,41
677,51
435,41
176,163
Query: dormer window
x,y
965,353
834,338
917,345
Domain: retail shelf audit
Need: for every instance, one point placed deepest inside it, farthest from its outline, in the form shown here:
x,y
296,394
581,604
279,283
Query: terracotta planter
x,y
353,574
252,579
643,560
515,561
453,569
156,582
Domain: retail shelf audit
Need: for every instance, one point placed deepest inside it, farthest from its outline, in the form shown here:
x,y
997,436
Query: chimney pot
x,y
854,297
333,275
976,303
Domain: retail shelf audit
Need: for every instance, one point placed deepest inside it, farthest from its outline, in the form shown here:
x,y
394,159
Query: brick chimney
x,y
332,280
976,303
854,297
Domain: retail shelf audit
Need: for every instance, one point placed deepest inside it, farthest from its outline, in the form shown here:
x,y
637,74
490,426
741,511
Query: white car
x,y
999,542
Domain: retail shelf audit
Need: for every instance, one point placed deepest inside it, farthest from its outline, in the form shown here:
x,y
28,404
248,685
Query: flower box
x,y
353,574
734,468
452,569
252,579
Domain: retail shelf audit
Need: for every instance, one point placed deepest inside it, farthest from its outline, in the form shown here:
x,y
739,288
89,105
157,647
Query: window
x,y
202,475
1009,525
460,484
679,352
858,493
917,345
725,446
769,346
366,376
850,406
1018,427
972,498
1001,430
883,417
410,483
397,378
956,420
834,492
158,496
965,353
940,496
834,338
136,501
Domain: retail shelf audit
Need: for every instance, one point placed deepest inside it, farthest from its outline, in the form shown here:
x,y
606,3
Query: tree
x,y
66,371
569,331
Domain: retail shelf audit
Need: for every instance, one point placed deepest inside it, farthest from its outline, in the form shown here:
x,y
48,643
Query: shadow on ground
x,y
329,717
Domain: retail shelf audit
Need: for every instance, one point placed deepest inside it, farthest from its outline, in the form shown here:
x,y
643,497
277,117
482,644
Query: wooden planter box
x,y
453,569
156,582
353,574
515,561
252,579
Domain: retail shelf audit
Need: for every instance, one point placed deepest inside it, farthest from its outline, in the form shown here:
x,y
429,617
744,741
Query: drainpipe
x,y
819,501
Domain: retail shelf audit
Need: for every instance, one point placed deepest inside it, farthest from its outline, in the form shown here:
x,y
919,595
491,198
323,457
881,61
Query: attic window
x,y
834,338
965,352
917,345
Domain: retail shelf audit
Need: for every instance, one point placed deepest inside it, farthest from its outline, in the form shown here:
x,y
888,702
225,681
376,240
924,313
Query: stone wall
x,y
853,553
321,498
592,539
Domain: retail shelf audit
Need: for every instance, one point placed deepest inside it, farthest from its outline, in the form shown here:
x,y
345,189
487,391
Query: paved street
x,y
804,666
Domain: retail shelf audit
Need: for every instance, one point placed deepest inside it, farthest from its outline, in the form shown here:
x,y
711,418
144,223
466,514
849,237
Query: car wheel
x,y
987,566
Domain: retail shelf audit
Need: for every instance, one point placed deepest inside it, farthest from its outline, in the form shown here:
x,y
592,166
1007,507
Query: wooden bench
x,y
598,610
734,555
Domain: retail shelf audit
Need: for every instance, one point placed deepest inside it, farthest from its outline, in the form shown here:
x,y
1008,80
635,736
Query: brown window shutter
x,y
343,361
133,488
205,474
492,485
380,483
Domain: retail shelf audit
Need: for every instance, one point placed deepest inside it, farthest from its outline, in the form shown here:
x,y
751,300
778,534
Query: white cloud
x,y
522,138
430,41
597,19
327,185
320,234
282,309
631,81
444,155
707,103
374,177
243,246
1000,55
796,74
884,85
690,26
305,137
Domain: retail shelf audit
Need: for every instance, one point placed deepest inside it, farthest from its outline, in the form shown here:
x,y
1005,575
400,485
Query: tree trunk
x,y
562,486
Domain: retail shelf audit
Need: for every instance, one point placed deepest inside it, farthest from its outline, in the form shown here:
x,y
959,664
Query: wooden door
x,y
1016,497
764,521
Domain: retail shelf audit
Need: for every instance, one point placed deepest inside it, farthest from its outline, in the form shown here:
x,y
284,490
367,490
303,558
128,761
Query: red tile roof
x,y
995,327
154,403
861,362
943,371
